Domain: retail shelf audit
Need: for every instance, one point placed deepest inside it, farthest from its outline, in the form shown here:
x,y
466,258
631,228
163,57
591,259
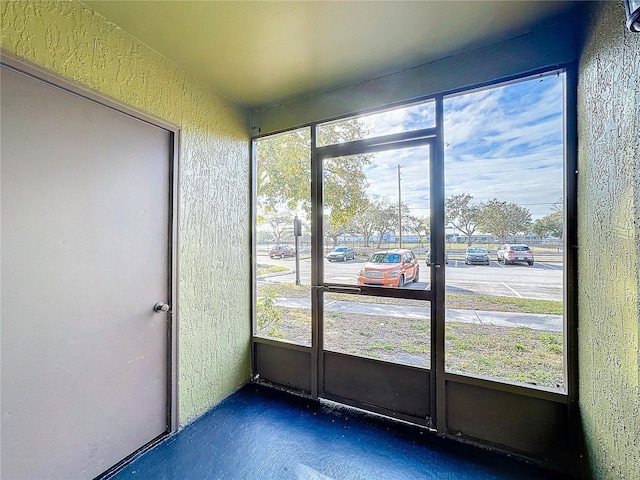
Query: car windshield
x,y
520,248
385,258
341,249
476,250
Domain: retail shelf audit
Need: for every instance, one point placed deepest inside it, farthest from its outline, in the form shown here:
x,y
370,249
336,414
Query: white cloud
x,y
411,117
503,143
511,145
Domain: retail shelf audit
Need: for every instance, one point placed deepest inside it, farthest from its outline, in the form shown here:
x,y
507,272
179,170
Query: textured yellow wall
x,y
214,290
609,244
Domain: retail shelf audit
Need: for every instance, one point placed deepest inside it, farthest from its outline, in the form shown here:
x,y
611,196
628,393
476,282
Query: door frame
x,y
19,65
416,408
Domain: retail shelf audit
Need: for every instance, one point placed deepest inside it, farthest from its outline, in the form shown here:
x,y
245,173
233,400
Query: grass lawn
x,y
516,354
266,269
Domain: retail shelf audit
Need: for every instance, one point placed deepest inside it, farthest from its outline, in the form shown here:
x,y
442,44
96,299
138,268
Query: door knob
x,y
161,307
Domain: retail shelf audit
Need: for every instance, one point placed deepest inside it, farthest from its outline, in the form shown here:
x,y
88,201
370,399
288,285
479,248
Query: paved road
x,y
540,281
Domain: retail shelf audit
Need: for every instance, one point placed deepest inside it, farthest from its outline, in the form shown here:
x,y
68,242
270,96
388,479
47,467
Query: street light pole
x,y
399,208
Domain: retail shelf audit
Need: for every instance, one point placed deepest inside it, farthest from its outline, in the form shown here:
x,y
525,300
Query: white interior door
x,y
85,196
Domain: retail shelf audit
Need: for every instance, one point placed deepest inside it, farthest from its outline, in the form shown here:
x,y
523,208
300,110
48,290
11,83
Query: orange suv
x,y
390,268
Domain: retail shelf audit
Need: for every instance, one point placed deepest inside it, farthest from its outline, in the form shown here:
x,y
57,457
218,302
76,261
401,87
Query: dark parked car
x,y
510,253
342,253
281,251
476,255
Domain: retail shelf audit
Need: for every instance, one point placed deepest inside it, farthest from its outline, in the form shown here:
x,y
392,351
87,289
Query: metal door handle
x,y
161,307
332,288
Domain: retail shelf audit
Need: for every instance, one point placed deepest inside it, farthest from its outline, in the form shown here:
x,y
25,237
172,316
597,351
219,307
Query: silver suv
x,y
515,252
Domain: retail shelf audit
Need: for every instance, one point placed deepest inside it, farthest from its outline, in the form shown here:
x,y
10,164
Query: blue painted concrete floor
x,y
260,433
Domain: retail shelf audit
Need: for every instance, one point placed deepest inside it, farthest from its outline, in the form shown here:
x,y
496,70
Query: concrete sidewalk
x,y
552,323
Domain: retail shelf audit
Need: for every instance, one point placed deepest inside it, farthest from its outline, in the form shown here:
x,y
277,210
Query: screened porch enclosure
x,y
431,265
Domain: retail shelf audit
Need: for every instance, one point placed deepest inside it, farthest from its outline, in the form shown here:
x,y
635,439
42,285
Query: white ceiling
x,y
261,53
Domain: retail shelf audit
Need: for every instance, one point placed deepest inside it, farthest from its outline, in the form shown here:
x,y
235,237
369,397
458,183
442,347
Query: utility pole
x,y
297,233
399,208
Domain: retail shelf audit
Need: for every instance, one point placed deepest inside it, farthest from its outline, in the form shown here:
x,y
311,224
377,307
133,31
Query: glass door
x,y
374,275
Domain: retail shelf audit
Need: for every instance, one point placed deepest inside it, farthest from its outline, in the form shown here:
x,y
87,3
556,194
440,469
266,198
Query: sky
x,y
502,142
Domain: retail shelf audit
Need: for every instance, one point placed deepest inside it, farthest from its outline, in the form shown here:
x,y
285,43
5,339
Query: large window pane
x,y
392,329
504,239
282,263
376,219
399,120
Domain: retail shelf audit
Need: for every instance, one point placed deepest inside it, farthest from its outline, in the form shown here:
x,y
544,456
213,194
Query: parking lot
x,y
543,280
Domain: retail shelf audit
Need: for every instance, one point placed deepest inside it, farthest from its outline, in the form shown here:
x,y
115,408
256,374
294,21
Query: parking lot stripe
x,y
550,267
517,294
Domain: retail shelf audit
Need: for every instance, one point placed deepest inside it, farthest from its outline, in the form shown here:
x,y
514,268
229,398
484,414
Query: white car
x,y
515,252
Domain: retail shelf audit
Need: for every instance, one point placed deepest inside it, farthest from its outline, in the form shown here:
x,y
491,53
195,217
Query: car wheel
x,y
282,255
530,263
417,277
401,281
344,258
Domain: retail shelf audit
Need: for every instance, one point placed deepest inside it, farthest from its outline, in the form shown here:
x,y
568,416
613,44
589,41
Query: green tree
x,y
423,229
284,174
503,219
364,223
462,216
387,219
410,223
414,225
333,231
344,191
281,224
549,226
376,216
380,216
264,236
